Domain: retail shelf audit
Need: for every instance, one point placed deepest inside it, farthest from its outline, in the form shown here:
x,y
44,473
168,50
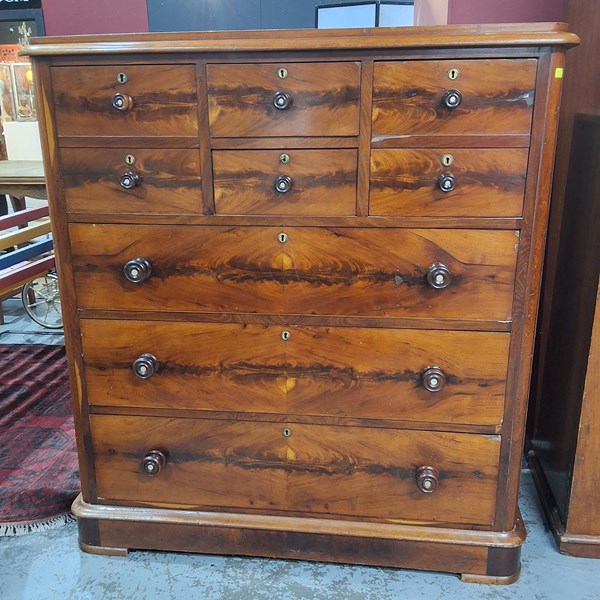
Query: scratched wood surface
x,y
323,182
489,182
318,371
354,271
170,181
324,96
497,97
164,100
315,469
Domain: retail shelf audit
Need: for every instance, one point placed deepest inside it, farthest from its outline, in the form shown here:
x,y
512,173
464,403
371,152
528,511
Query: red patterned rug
x,y
38,459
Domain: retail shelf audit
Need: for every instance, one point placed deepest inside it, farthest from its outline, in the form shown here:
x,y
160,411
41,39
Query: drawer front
x,y
155,100
398,374
131,181
477,183
221,367
362,271
315,469
292,182
384,272
197,269
412,375
210,463
496,97
317,99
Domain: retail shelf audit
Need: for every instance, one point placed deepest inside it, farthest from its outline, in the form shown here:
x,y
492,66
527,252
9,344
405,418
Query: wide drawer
x,y
456,182
284,99
459,274
316,469
418,97
120,180
293,182
126,100
394,374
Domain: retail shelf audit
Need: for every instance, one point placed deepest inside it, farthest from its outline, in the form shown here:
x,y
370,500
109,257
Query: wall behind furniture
x,y
66,17
506,11
205,15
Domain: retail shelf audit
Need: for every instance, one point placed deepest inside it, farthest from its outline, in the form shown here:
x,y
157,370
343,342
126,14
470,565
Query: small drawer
x,y
284,99
453,97
126,100
120,180
392,374
289,182
445,273
317,469
454,182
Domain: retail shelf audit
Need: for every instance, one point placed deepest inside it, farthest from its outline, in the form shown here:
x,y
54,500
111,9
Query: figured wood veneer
x,y
335,371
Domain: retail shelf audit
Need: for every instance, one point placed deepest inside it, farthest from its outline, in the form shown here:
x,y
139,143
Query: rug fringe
x,y
14,529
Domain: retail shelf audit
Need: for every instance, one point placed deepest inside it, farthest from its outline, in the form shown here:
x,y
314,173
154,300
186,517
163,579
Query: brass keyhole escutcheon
x,y
285,335
122,78
282,237
284,159
447,160
130,159
453,74
282,73
286,432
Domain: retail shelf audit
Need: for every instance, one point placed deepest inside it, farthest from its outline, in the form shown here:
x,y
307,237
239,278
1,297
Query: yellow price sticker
x,y
558,72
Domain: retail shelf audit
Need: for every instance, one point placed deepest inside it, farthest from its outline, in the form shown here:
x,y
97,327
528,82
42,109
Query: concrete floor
x,y
49,565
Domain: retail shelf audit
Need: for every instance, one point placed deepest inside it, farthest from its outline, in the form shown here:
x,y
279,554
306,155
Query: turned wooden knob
x,y
283,183
452,99
427,479
145,366
446,182
153,463
439,276
130,179
434,379
137,270
122,102
282,100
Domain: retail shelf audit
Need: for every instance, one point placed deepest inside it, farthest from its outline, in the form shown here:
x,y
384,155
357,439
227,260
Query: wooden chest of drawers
x,y
300,275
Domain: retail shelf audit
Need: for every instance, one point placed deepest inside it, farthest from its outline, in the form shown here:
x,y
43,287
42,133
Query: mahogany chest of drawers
x,y
300,273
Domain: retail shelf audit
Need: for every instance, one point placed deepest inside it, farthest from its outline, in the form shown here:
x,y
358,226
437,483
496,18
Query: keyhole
x,y
282,237
285,335
287,432
282,73
122,78
453,74
447,160
130,159
284,158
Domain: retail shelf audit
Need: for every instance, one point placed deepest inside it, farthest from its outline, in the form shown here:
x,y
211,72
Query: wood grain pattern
x,y
489,182
368,272
497,97
360,471
171,182
209,464
228,464
164,100
377,373
226,367
341,271
320,371
323,182
325,99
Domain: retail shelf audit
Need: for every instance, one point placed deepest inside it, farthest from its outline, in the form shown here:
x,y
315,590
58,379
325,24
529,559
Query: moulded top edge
x,y
444,36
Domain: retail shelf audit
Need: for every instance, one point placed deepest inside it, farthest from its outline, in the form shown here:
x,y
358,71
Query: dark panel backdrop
x,y
206,15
